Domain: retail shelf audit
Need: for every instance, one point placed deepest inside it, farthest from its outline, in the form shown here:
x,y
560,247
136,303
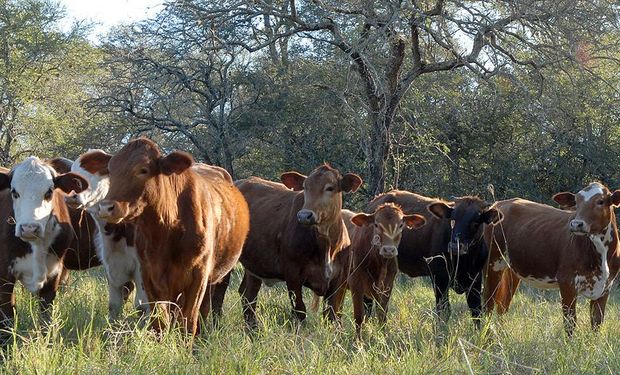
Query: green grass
x,y
529,339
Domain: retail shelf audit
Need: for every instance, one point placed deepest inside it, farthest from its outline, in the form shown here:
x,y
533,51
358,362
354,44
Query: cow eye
x,y
48,195
14,194
600,202
329,188
143,171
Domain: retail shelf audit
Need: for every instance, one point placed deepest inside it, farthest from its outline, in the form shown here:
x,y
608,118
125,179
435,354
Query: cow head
x,y
130,171
388,222
33,184
593,208
467,216
93,166
323,190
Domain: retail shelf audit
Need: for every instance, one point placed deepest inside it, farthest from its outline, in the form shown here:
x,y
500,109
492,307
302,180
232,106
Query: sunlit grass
x,y
529,339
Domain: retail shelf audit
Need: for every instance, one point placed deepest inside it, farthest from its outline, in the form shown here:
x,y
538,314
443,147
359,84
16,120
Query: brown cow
x,y
294,234
35,233
191,221
368,266
573,251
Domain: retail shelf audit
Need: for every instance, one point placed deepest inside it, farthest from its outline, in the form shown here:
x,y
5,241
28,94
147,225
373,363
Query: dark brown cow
x,y
368,266
35,233
191,221
573,251
294,234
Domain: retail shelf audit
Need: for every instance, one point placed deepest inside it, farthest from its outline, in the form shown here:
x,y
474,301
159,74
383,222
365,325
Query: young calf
x,y
573,251
191,220
115,243
35,232
372,265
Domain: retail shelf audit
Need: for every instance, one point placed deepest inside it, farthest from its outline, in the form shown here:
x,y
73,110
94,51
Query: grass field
x,y
529,339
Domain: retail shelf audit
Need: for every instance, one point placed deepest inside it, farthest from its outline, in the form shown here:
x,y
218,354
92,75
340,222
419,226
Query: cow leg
x,y
47,294
194,295
358,311
115,301
295,295
474,300
442,302
126,290
141,299
597,311
249,288
368,306
335,298
384,300
491,289
569,300
217,293
7,311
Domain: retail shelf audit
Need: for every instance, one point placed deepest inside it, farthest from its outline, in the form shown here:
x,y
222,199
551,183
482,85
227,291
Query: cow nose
x,y
306,217
106,208
29,230
577,225
388,251
73,200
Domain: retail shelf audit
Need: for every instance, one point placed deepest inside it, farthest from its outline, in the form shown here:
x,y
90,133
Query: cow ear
x,y
95,162
293,180
175,163
491,216
350,183
69,182
440,210
5,181
615,198
414,221
363,219
565,199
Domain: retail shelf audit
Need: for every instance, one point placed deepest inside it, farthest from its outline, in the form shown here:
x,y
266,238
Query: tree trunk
x,y
378,150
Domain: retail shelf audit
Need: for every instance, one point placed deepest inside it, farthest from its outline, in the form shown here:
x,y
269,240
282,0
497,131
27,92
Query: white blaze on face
x,y
31,181
98,186
591,191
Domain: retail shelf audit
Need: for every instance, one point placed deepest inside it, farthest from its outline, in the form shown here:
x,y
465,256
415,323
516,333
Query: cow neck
x,y
161,195
606,244
333,231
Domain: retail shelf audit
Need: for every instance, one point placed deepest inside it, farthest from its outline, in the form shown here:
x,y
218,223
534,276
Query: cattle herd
x,y
173,230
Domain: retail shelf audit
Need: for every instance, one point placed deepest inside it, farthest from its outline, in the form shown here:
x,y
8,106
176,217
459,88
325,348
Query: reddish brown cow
x,y
191,221
294,234
573,251
368,266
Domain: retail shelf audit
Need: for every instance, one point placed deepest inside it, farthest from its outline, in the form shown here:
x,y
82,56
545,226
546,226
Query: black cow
x,y
449,248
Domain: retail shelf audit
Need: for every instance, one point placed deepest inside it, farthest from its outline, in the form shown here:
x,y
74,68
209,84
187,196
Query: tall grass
x,y
529,339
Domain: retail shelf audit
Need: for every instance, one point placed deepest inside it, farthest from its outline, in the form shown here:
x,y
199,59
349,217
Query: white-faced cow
x,y
114,242
35,232
573,251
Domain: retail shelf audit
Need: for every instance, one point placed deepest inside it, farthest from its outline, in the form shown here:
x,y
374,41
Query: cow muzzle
x,y
110,211
579,227
307,217
29,231
74,201
388,252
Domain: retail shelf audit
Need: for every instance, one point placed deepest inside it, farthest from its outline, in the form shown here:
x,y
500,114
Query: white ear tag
x,y
452,224
376,240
